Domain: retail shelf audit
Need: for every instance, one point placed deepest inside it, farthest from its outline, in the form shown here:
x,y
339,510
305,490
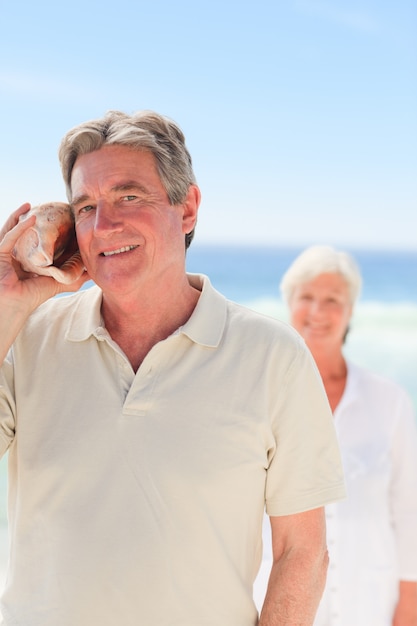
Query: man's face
x,y
127,231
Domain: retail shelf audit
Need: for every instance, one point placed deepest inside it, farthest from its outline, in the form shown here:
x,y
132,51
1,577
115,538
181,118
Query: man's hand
x,y
17,284
21,292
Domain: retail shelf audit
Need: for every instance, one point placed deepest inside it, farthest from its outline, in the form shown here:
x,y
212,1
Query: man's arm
x,y
299,569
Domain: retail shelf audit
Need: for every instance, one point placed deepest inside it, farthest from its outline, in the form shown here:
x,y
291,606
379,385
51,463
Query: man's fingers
x,y
13,219
13,229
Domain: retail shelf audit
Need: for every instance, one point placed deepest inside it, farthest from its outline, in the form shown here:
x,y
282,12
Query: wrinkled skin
x,y
49,247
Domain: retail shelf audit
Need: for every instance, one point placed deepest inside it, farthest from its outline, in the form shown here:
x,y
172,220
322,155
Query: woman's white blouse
x,y
372,535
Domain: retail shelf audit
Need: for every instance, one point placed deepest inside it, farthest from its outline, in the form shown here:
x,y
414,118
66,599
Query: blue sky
x,y
300,115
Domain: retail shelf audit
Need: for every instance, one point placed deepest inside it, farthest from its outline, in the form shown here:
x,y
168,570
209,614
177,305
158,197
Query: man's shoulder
x,y
242,319
238,321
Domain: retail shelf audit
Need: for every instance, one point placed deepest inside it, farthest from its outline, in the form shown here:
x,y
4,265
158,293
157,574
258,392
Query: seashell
x,y
50,246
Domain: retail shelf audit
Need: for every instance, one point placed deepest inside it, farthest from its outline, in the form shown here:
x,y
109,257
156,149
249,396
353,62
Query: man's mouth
x,y
119,250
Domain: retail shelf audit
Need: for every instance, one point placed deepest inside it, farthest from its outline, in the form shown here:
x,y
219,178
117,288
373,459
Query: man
x,y
148,420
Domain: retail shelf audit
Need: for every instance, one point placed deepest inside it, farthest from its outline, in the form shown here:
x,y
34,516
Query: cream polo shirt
x,y
137,500
372,535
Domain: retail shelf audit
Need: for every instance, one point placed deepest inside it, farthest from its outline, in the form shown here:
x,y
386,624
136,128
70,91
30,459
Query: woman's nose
x,y
316,307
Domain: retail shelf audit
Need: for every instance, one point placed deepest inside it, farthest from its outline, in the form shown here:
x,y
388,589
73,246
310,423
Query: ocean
x,y
383,333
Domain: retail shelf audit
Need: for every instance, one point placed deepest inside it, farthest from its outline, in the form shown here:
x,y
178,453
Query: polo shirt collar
x,y
207,322
85,319
205,326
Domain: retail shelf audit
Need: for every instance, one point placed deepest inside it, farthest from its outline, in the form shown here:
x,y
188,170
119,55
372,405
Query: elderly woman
x,y
372,535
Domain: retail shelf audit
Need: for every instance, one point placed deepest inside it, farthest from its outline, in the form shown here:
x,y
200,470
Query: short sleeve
x,y
305,470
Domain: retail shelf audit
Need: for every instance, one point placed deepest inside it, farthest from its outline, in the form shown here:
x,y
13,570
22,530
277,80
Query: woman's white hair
x,y
318,260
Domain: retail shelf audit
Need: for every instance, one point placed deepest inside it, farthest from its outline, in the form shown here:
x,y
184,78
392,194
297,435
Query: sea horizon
x,y
248,271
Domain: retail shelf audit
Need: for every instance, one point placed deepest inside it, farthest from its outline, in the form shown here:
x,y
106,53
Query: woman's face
x,y
320,310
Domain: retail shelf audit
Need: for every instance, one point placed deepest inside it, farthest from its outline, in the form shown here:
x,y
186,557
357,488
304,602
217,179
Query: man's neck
x,y
137,324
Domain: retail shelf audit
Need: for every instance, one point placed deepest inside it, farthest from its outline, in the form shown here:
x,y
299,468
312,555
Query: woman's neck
x,y
333,370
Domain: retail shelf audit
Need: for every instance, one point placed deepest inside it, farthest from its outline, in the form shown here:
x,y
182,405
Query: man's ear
x,y
191,204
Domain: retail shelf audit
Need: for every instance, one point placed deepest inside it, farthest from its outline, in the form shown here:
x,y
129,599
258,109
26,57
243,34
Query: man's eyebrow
x,y
129,185
79,199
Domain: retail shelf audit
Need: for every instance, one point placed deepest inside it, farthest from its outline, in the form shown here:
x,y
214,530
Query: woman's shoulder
x,y
372,384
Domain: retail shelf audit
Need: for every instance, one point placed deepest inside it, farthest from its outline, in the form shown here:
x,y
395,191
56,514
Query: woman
x,y
372,535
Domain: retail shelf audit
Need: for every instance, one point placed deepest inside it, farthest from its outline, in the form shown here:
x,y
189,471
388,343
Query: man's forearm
x,y
294,591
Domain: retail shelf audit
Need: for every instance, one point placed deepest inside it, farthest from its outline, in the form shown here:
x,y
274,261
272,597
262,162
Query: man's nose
x,y
107,219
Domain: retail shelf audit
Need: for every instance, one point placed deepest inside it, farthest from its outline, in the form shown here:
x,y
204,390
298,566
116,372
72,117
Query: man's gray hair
x,y
143,130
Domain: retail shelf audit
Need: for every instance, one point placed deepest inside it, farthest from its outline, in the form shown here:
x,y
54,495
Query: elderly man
x,y
149,421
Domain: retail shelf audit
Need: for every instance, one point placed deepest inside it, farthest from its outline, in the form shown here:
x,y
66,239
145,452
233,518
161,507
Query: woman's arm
x,y
406,609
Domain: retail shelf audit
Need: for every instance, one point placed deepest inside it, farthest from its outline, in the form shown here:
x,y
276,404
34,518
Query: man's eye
x,y
85,209
129,198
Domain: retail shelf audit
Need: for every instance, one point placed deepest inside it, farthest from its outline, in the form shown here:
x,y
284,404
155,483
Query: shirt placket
x,y
333,575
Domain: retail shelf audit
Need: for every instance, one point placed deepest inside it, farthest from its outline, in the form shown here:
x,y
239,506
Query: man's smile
x,y
119,250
